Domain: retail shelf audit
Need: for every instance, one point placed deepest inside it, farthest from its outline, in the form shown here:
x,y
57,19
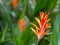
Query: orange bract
x,y
43,23
21,25
14,3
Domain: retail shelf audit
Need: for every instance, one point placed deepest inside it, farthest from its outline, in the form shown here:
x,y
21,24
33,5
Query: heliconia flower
x,y
14,3
40,30
21,25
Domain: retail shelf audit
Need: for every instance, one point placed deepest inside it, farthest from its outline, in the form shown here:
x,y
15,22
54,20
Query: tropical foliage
x,y
29,22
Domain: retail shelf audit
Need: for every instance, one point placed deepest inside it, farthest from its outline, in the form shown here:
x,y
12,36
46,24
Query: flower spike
x,y
43,23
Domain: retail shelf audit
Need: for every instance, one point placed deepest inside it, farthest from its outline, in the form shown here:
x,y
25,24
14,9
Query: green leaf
x,y
16,34
55,39
50,5
40,5
27,37
24,9
44,5
4,33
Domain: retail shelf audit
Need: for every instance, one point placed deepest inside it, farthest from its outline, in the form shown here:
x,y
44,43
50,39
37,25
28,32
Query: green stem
x,y
24,10
4,33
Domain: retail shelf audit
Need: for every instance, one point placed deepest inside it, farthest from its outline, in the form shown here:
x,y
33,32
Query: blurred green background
x,y
28,9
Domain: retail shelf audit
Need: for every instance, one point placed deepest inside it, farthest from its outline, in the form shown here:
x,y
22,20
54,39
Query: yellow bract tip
x,y
38,21
34,30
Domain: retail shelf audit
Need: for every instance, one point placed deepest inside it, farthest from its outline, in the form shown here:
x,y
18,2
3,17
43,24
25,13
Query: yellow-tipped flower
x,y
43,25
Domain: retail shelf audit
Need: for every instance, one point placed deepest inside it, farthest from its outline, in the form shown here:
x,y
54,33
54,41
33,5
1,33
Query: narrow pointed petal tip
x,y
37,20
34,25
34,31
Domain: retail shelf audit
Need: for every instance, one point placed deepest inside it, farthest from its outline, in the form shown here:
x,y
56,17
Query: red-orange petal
x,y
14,3
22,25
